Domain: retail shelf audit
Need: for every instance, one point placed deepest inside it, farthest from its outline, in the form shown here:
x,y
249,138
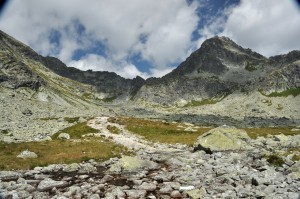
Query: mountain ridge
x,y
219,72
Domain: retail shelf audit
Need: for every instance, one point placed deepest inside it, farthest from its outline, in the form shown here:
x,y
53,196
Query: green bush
x,y
275,160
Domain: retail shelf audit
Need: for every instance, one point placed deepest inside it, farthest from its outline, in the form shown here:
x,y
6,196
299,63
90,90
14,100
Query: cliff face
x,y
14,72
221,67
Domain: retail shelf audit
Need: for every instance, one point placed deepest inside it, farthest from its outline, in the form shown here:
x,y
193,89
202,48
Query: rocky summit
x,y
224,124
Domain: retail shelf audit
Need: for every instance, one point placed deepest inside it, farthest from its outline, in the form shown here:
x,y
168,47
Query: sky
x,y
147,38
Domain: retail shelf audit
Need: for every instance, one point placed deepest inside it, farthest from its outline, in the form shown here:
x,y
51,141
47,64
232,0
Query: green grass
x,y
60,151
57,151
158,131
113,129
109,99
275,160
76,131
164,132
71,119
292,91
5,131
201,103
87,95
48,118
265,131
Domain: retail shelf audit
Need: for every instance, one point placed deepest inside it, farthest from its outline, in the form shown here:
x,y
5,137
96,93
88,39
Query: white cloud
x,y
269,27
168,43
97,62
118,24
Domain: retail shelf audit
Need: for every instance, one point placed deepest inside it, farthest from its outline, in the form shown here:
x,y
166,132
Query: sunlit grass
x,y
57,151
265,131
158,131
76,131
164,132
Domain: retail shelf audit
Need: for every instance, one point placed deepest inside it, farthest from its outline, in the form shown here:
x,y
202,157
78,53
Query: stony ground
x,y
163,171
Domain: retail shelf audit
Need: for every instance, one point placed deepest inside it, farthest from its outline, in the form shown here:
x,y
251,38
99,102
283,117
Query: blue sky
x,y
147,37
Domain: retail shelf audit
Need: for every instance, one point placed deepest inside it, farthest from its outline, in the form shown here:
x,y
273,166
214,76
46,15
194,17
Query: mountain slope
x,y
33,98
108,84
219,68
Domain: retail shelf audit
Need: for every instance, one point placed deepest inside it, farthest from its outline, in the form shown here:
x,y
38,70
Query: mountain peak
x,y
213,56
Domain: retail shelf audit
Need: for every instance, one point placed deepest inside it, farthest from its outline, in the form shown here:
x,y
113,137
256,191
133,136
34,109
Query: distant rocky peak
x,y
215,55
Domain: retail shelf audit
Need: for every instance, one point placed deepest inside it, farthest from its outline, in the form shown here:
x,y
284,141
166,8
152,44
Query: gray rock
x,y
94,196
132,164
9,175
195,193
223,138
48,184
71,167
176,194
135,194
147,186
64,136
81,119
27,154
87,168
116,193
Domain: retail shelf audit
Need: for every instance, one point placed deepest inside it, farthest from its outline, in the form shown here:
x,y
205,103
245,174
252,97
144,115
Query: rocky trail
x,y
166,171
127,139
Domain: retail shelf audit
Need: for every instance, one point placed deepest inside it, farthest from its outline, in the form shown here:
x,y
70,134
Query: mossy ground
x,y
58,151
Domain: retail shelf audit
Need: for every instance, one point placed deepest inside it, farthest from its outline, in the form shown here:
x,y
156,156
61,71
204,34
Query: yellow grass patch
x,y
158,131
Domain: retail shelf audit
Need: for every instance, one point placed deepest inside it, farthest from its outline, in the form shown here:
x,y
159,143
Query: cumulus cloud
x,y
269,27
158,31
100,63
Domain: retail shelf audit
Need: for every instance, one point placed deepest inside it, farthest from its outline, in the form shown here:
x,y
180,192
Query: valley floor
x,y
161,170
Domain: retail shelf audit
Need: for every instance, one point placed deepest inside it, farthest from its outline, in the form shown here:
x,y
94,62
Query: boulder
x,y
64,136
48,184
135,193
132,164
27,154
223,138
9,175
195,193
